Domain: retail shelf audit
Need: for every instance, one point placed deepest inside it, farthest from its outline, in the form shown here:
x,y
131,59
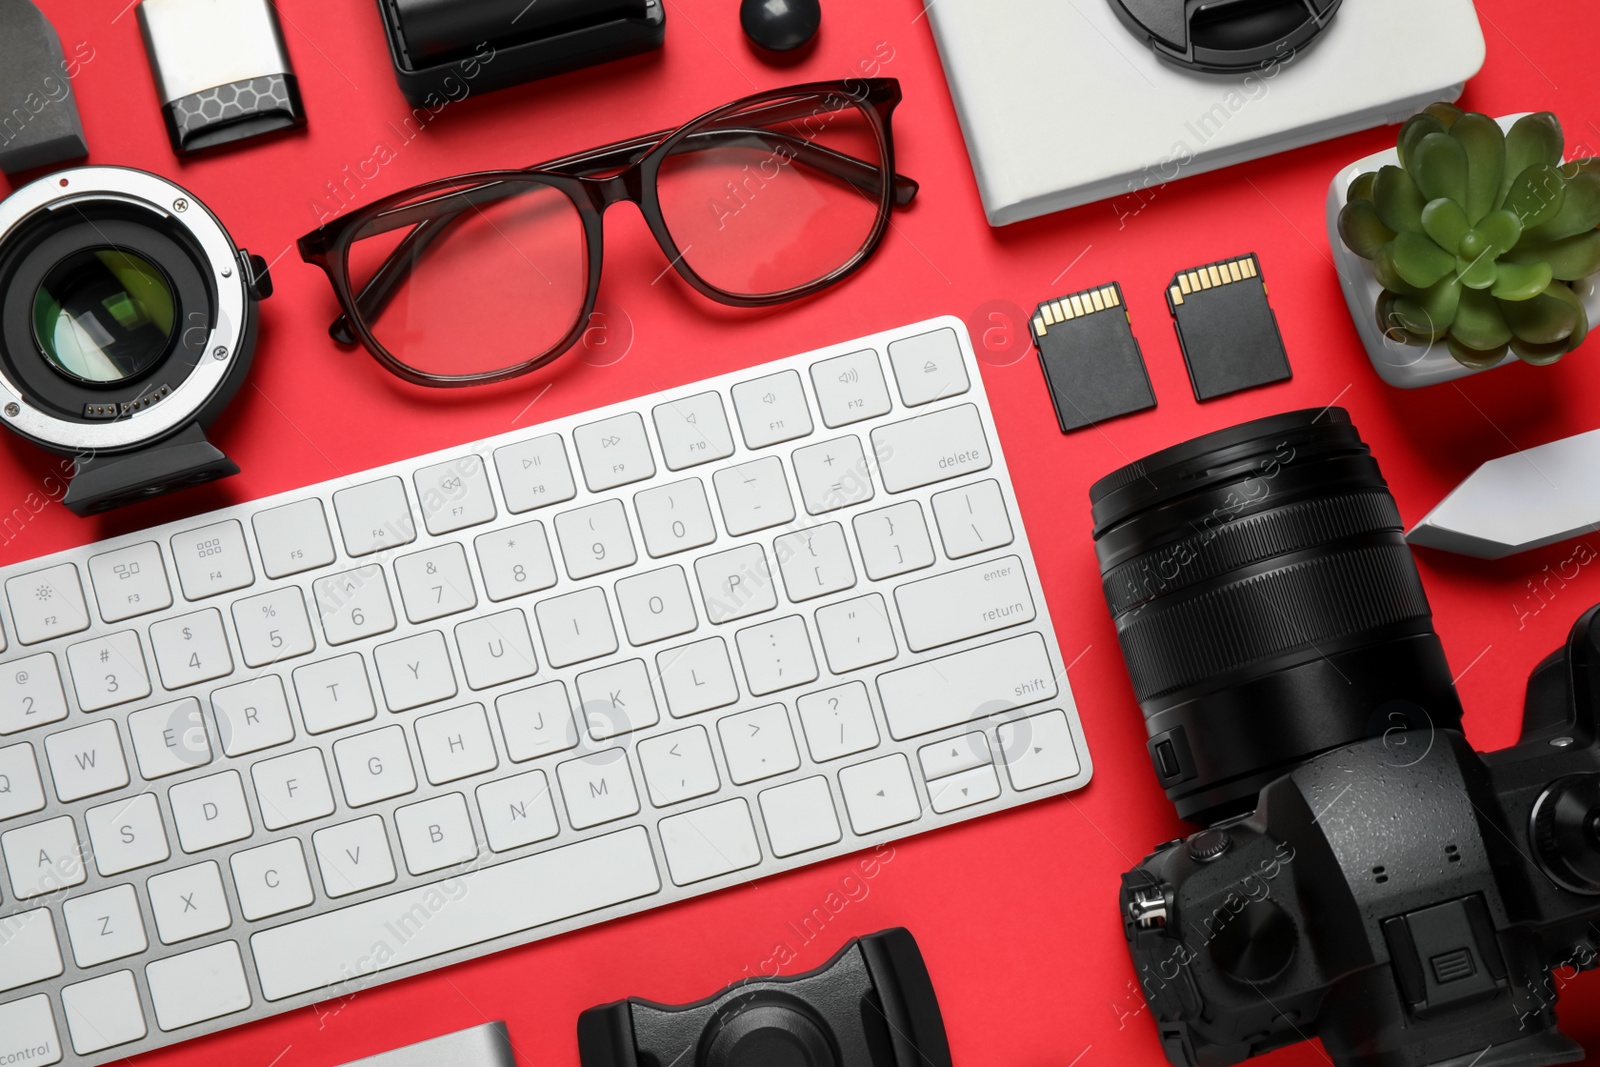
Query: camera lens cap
x,y
770,1035
1226,36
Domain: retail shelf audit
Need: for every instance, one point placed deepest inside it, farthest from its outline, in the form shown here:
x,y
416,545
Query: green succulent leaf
x,y
1570,258
1484,144
1415,129
1388,274
1520,281
1398,200
1446,222
1565,294
1445,112
1361,188
1429,313
1539,355
1419,261
1536,195
1533,139
1478,273
1544,320
1580,211
1477,359
1479,323
1363,232
1439,165
1497,233
1574,167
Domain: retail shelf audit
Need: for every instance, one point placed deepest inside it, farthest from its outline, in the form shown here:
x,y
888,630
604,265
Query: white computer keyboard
x,y
271,755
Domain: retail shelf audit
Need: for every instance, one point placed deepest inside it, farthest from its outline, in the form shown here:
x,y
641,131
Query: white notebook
x,y
1062,106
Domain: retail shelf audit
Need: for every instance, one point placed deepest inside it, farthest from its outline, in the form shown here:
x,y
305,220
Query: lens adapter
x,y
127,323
1267,605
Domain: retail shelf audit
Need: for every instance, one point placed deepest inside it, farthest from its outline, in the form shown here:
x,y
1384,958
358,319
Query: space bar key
x,y
353,943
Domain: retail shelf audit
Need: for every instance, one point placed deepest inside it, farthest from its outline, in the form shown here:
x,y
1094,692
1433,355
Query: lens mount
x,y
1566,833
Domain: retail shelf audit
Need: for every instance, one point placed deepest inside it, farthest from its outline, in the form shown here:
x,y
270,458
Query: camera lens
x,y
1268,607
104,315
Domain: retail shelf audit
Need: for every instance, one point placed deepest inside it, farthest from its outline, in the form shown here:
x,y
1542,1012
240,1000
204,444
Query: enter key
x,y
965,603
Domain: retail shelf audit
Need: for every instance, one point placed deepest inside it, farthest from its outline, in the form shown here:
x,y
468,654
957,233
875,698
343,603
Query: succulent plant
x,y
1477,235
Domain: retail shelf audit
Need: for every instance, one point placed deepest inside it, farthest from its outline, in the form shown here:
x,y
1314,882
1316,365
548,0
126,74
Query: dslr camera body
x,y
1365,877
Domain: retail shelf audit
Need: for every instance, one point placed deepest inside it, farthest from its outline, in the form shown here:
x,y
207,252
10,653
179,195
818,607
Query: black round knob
x,y
769,1035
1209,845
1256,945
780,25
1566,833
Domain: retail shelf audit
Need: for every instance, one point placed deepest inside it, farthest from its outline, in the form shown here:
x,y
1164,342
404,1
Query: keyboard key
x,y
515,561
273,627
693,430
47,603
675,517
496,649
965,603
436,834
212,560
517,811
293,538
850,388
800,816
455,744
754,496
838,721
43,857
130,581
354,604
814,562
964,789
87,760
772,409
534,474
253,715
28,1023
972,519
576,627
108,670
435,583
678,766
455,494
352,857
598,788
126,834
958,754
928,367
880,794
415,671
617,699
189,902
931,448
29,952
30,693
856,633
777,655
191,649
103,1012
374,766
697,677
968,685
192,987
21,792
613,452
210,811
1038,750
736,584
104,926
893,540
710,842
832,475
758,744
656,605
271,879
595,539
334,693
536,722
292,789
523,894
374,516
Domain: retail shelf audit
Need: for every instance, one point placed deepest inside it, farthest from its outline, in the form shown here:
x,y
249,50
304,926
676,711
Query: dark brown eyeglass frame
x,y
593,181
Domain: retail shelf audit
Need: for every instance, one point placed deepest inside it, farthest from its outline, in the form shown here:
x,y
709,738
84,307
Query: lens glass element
x,y
104,315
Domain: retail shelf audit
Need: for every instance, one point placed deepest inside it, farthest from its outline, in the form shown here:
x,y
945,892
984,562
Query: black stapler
x,y
444,50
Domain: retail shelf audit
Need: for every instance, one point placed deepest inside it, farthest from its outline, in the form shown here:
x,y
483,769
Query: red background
x,y
1016,912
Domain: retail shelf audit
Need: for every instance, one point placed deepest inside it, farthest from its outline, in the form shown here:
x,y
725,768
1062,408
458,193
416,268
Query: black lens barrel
x,y
1267,605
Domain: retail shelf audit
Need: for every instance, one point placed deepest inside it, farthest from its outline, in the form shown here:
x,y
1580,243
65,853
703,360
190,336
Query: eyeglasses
x,y
485,276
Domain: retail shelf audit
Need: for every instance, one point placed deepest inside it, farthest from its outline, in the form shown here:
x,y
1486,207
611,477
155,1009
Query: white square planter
x,y
1404,365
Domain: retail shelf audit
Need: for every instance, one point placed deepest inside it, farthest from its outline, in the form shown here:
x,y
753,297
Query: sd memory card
x,y
1091,361
1226,328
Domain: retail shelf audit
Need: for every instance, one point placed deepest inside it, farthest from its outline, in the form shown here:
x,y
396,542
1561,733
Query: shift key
x,y
965,603
975,684
931,448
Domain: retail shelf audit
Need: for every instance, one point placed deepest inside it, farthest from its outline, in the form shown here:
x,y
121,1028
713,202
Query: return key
x,y
965,603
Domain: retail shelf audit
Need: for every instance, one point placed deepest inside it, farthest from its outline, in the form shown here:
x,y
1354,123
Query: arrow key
x,y
964,789
1038,750
880,794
